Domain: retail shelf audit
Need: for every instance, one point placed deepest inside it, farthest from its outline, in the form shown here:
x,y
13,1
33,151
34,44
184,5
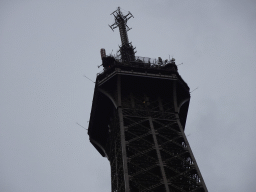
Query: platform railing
x,y
144,62
148,60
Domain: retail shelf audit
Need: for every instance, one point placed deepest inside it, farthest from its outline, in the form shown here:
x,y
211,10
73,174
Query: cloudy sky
x,y
47,46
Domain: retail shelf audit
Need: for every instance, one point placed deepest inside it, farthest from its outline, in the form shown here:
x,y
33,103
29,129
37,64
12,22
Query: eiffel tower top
x,y
121,22
126,49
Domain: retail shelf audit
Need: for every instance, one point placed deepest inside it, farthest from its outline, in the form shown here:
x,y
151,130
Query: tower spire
x,y
126,49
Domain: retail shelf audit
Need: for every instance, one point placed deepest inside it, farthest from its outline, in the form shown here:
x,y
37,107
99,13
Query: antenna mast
x,y
126,50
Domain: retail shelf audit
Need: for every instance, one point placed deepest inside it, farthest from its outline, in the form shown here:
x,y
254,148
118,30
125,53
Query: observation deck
x,y
144,73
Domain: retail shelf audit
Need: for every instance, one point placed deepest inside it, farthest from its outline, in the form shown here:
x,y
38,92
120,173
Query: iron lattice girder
x,y
146,124
121,22
126,50
173,169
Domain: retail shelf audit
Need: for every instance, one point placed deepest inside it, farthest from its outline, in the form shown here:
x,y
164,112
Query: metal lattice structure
x,y
126,49
137,121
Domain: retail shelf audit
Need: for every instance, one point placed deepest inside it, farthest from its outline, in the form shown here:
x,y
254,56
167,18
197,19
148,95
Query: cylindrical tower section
x,y
102,53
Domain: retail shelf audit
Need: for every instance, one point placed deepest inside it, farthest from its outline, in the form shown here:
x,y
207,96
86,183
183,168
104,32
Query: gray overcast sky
x,y
47,46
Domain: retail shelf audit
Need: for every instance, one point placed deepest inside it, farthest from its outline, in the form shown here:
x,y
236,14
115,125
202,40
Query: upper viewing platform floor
x,y
141,66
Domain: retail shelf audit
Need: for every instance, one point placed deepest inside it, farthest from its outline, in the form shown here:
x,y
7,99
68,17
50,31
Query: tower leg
x,y
122,134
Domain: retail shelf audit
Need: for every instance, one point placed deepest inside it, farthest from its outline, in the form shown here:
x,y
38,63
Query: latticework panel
x,y
157,154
